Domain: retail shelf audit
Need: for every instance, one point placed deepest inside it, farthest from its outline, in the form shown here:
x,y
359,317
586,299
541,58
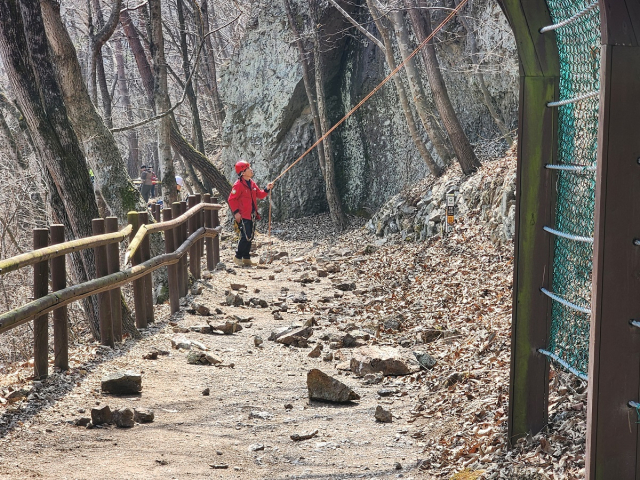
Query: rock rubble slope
x,y
418,331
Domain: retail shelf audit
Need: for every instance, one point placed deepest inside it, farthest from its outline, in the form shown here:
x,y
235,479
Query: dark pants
x,y
146,191
246,234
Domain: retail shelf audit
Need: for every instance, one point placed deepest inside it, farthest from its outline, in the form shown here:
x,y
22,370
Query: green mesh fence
x,y
579,49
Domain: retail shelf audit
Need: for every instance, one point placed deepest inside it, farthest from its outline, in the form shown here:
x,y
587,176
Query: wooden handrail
x,y
47,253
162,226
54,300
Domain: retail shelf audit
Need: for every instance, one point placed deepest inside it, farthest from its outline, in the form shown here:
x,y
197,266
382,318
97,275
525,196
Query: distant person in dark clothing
x,y
147,183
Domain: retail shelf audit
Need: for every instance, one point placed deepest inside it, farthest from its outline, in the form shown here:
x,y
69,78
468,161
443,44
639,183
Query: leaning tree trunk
x,y
417,89
421,21
178,142
25,54
433,167
112,180
331,190
162,102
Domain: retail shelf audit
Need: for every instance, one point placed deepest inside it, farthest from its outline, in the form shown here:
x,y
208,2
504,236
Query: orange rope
x,y
369,95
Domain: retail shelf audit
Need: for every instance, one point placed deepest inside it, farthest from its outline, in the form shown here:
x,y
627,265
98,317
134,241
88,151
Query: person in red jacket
x,y
243,201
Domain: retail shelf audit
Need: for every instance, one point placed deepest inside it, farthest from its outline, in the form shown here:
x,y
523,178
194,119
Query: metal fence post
x,y
60,315
41,323
138,285
113,266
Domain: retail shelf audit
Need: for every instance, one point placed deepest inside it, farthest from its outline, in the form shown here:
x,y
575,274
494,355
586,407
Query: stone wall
x,y
268,119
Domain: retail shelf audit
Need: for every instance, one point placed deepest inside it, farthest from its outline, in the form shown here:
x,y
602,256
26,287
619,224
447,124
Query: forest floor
x,y
449,297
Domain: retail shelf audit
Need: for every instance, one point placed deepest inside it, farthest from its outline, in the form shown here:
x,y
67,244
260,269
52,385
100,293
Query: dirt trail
x,y
242,424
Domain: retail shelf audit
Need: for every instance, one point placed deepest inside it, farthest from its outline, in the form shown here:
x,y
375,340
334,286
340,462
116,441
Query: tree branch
x,y
364,31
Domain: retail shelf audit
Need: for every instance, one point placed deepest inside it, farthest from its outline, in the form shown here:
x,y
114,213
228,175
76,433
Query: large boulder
x,y
385,360
327,389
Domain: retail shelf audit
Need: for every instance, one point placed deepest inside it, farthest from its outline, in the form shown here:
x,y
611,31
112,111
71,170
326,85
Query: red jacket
x,y
244,199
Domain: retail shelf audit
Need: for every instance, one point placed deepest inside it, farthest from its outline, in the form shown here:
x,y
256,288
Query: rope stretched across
x,y
369,95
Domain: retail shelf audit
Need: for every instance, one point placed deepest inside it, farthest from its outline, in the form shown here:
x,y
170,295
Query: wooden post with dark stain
x,y
172,270
216,241
113,266
156,212
199,243
208,222
535,197
60,315
193,251
138,285
613,433
185,263
177,241
40,324
104,298
145,250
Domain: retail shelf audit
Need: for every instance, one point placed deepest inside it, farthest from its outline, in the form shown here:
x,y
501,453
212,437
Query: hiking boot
x,y
238,261
248,263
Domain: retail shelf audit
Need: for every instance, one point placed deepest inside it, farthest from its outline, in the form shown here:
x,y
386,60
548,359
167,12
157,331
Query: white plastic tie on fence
x,y
568,236
635,323
571,168
564,302
572,18
568,367
579,98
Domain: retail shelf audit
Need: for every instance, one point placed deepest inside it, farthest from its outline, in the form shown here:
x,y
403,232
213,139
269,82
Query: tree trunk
x,y
186,67
162,102
218,106
433,167
112,180
133,160
417,89
421,21
25,55
486,96
178,142
331,190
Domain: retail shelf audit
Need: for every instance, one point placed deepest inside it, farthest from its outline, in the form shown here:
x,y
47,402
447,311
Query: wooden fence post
x,y
145,250
216,241
41,323
199,243
60,315
156,212
208,222
172,270
185,265
193,251
113,266
104,298
138,285
177,241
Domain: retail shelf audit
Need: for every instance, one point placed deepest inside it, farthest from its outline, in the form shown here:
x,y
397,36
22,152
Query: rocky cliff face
x,y
269,123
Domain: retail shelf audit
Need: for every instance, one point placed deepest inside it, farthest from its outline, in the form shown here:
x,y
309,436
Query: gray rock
x,y
123,418
197,289
122,383
261,415
295,336
82,421
202,310
238,286
206,392
328,357
277,316
372,378
425,360
387,392
234,300
382,415
346,287
385,360
143,415
101,415
316,352
257,340
327,389
322,273
256,447
180,343
202,358
228,327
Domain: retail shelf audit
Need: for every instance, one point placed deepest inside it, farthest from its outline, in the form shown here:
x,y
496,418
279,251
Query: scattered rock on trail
x,y
82,421
425,360
101,415
150,356
227,328
143,415
181,343
197,289
431,335
17,395
316,352
238,286
122,383
346,287
234,300
305,436
382,415
386,360
201,358
202,310
257,341
256,447
327,389
206,392
295,336
276,315
322,273
123,418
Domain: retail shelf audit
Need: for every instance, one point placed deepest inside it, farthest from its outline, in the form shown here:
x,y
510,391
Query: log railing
x,y
202,222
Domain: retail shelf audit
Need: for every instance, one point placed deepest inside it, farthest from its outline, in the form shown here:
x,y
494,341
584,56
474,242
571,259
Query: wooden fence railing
x,y
185,226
